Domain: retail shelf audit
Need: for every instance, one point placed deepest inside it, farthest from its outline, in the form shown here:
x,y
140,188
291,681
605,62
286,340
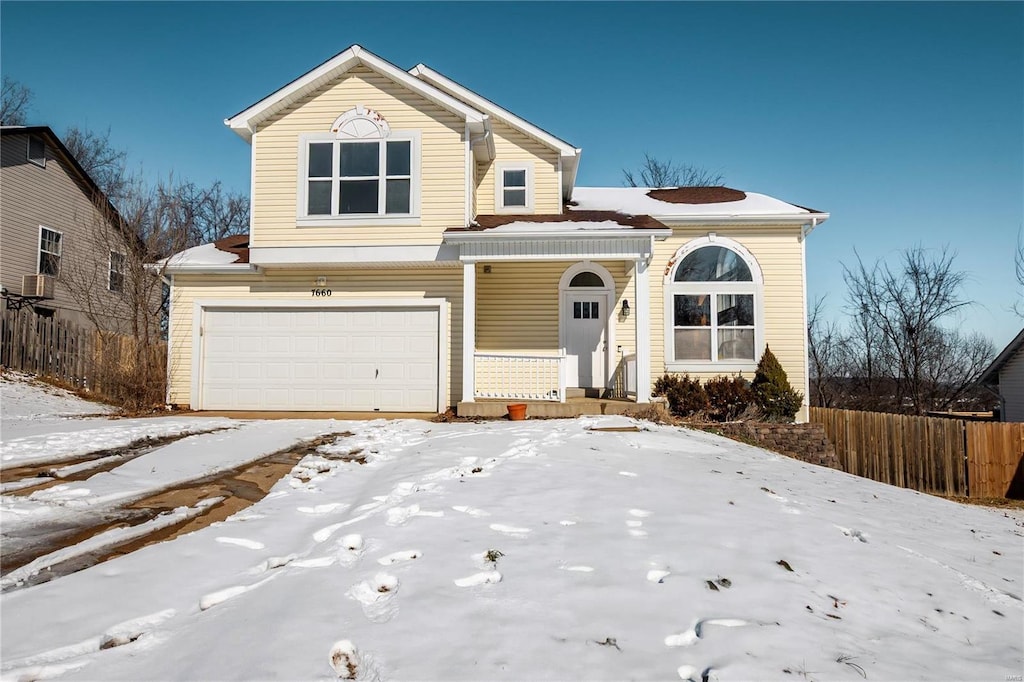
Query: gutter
x,y
815,219
491,235
202,269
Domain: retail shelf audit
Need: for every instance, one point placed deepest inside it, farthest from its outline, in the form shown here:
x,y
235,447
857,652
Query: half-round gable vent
x,y
361,123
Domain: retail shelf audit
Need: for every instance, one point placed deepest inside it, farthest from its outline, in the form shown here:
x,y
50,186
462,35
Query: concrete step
x,y
535,408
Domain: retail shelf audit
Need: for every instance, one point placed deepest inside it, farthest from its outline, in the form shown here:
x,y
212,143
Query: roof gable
x,y
991,374
245,122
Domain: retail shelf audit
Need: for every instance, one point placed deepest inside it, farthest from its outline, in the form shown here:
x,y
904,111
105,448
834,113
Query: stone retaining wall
x,y
806,442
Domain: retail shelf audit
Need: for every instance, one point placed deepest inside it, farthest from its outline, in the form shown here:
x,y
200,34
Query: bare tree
x,y
15,99
828,350
104,163
1018,262
204,214
656,173
899,318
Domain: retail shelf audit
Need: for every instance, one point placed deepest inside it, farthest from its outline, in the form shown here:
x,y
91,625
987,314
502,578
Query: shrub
x,y
774,394
686,396
728,397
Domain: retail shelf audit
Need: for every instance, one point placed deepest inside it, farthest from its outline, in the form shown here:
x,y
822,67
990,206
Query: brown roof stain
x,y
697,195
486,222
237,244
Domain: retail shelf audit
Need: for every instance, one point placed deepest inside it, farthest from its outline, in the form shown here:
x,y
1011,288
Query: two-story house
x,y
415,246
61,248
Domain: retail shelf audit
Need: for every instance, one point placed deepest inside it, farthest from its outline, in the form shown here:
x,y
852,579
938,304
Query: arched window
x,y
586,279
713,304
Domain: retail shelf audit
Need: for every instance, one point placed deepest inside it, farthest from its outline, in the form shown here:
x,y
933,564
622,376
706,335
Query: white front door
x,y
585,316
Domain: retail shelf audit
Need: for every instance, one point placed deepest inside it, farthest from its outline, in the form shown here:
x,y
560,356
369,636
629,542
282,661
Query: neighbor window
x,y
37,150
116,280
49,251
359,177
712,307
513,191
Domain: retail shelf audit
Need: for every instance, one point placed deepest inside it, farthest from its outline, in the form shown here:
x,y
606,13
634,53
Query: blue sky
x,y
904,120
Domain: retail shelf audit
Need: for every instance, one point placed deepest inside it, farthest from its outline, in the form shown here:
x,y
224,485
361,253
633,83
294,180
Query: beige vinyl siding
x,y
511,145
277,178
295,285
54,197
778,252
1011,388
517,305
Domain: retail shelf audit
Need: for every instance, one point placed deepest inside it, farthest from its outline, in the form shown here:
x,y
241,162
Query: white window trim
x,y
499,186
28,150
39,251
110,272
303,219
673,288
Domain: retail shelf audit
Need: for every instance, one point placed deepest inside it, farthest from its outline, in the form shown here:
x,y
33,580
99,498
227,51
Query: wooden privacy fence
x,y
930,454
104,364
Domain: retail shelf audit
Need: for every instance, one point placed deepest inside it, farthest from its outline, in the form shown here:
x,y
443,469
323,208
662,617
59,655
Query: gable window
x,y
116,280
49,251
514,188
713,301
37,150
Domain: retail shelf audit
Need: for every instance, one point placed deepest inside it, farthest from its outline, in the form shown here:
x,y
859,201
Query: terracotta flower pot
x,y
516,411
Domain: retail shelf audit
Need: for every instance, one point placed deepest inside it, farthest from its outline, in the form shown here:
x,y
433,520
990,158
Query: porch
x,y
546,409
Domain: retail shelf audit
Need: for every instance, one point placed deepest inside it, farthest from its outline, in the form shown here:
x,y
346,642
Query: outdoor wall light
x,y
321,281
625,308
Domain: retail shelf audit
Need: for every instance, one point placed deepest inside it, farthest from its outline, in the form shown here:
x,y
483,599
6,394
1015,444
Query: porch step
x,y
572,407
571,393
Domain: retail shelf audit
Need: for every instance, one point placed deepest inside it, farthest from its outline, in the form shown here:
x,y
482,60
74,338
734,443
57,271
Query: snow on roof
x,y
635,200
563,225
204,254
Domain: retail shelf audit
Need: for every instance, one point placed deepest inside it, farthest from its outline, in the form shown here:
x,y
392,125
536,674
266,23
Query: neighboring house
x,y
415,246
58,238
1005,377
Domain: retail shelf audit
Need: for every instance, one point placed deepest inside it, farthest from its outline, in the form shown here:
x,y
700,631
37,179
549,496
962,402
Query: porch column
x,y
643,331
468,331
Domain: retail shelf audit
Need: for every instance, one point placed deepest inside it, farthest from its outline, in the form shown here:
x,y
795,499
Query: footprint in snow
x,y
319,562
472,511
657,575
350,663
854,533
399,557
377,597
324,534
634,524
639,513
696,633
578,569
324,508
630,474
131,630
482,578
691,673
350,549
637,533
241,542
398,516
514,531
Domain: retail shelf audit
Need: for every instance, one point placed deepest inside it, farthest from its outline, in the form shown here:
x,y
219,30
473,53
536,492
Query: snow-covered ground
x,y
655,554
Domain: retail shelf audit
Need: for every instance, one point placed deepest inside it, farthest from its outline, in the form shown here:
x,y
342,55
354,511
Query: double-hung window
x,y
37,150
49,251
115,281
513,188
363,178
712,305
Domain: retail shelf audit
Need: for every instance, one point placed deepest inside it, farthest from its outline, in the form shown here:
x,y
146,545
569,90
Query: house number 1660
x,y
321,292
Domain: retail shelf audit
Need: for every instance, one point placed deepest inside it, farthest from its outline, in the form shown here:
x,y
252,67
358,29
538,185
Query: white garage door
x,y
320,359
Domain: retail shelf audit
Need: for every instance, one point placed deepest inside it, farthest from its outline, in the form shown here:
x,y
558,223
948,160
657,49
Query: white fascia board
x,y
427,74
490,235
769,219
244,123
224,269
312,256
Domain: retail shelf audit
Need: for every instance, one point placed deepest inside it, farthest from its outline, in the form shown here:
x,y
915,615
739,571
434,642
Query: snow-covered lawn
x,y
657,554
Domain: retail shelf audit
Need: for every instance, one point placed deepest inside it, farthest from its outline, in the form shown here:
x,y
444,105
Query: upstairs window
x,y
712,305
115,282
37,150
49,251
359,177
514,188
361,169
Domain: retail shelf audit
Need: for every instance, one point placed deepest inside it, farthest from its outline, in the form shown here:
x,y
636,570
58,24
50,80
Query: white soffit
x,y
244,123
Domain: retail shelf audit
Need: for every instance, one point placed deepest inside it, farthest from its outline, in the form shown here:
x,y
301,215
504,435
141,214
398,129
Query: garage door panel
x,y
320,359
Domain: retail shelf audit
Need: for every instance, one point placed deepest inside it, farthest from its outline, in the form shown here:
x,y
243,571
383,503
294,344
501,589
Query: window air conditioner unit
x,y
37,286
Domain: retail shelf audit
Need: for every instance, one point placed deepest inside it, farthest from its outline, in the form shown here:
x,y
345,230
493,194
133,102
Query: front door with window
x,y
585,321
